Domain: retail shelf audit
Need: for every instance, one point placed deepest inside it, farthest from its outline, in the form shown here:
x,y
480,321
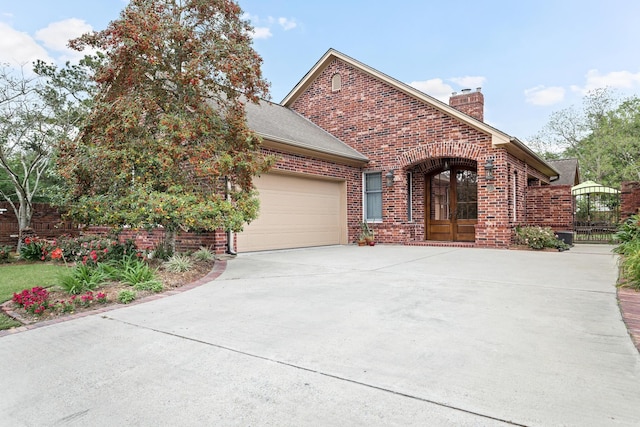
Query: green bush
x,y
538,238
132,270
631,269
82,278
178,264
162,251
5,253
628,236
94,249
126,296
203,254
152,285
35,249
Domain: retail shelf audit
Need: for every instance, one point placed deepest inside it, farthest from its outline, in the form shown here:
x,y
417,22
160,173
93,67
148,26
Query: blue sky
x,y
530,57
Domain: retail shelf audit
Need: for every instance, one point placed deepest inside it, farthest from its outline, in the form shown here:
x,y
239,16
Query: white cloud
x,y
434,87
263,26
614,79
541,95
287,24
19,48
469,82
262,33
56,35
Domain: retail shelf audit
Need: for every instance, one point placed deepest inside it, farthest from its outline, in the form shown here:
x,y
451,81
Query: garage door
x,y
296,212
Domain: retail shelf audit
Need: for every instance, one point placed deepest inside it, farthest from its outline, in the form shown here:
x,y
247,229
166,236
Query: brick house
x,y
354,144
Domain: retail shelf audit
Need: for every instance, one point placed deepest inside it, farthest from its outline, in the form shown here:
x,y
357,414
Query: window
x,y
409,197
373,196
514,196
336,82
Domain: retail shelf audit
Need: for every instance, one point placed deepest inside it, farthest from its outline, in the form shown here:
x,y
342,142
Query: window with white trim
x,y
373,196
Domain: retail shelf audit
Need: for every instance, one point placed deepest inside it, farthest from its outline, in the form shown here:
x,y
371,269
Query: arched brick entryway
x,y
446,181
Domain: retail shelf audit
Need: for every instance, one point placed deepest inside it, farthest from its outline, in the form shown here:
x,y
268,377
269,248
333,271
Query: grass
x,y
14,278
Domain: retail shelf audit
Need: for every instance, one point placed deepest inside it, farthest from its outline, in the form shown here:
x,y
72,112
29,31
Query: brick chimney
x,y
470,103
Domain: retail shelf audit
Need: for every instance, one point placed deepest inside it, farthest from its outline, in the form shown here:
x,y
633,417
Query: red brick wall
x,y
397,131
629,199
46,222
147,240
550,206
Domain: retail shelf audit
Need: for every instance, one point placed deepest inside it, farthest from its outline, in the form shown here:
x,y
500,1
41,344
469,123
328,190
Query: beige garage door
x,y
296,212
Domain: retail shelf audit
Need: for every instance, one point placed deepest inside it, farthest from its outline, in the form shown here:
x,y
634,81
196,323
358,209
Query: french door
x,y
452,205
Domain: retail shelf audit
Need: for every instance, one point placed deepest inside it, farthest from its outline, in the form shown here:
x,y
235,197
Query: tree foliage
x,y
604,135
168,127
35,112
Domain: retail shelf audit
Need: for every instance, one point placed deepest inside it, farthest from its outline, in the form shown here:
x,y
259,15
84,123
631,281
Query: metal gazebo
x,y
596,211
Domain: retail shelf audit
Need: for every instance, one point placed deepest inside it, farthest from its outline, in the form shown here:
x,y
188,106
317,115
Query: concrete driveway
x,y
376,336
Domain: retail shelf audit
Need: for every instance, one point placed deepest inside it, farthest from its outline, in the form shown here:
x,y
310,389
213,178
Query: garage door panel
x,y
296,212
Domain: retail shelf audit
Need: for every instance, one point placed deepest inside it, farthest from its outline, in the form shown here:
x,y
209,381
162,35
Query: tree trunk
x,y
23,212
170,239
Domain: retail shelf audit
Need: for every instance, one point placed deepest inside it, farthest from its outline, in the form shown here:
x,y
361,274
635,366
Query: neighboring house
x,y
354,144
568,170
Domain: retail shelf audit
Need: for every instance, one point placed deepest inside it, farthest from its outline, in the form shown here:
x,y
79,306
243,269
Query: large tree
x,y
604,134
36,111
168,129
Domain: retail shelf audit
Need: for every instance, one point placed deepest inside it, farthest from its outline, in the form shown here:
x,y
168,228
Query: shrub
x,y
94,249
203,254
631,270
35,249
132,270
538,238
152,285
162,251
82,278
178,264
628,235
126,296
5,253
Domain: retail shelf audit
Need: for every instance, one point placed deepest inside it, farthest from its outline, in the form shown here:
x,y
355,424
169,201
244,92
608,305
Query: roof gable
x,y
569,172
498,138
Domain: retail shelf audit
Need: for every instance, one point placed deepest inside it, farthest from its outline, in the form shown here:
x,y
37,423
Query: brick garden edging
x,y
629,302
218,268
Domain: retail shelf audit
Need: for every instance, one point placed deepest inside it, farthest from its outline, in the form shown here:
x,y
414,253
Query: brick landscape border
x,y
218,268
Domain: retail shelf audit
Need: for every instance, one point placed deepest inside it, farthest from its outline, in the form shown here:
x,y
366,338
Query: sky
x,y
530,57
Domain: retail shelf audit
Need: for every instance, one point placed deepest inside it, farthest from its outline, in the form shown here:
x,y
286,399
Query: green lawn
x,y
14,278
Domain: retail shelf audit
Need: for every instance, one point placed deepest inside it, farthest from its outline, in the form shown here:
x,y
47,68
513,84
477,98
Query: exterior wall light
x,y
389,178
488,170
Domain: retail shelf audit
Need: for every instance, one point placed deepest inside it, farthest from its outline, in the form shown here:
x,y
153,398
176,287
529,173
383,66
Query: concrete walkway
x,y
377,336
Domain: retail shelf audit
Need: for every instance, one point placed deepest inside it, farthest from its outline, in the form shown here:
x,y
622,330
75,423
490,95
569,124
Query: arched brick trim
x,y
439,149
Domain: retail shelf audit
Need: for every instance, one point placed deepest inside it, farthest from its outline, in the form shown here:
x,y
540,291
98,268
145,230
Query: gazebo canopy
x,y
591,187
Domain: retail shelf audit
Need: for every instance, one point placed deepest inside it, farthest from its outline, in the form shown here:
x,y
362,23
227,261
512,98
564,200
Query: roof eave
x,y
295,147
518,149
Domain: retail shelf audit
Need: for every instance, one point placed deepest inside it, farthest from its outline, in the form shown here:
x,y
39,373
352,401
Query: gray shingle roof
x,y
568,169
280,124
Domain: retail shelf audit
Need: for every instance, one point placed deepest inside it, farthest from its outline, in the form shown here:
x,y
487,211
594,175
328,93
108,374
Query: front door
x,y
452,201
